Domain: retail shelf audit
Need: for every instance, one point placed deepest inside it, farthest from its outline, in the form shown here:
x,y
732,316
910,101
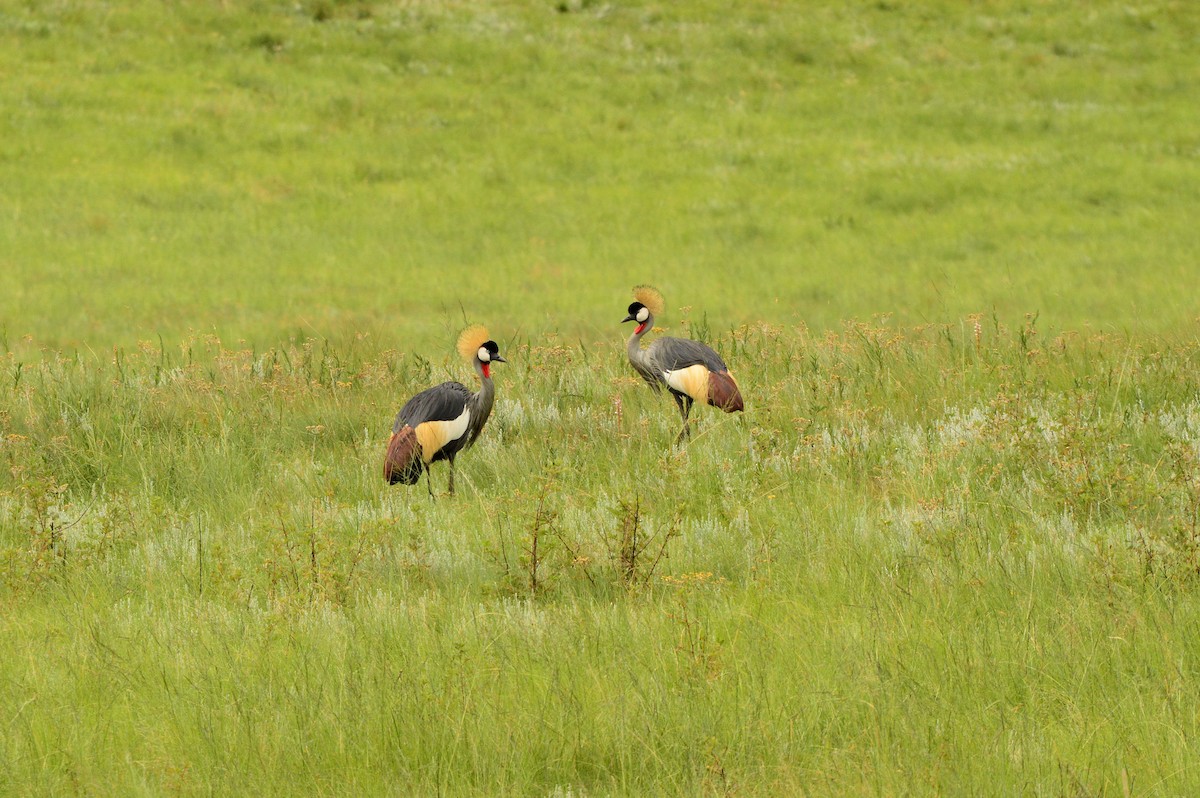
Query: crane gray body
x,y
670,354
447,402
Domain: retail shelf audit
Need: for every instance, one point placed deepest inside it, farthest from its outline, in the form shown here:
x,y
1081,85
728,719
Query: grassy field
x,y
951,548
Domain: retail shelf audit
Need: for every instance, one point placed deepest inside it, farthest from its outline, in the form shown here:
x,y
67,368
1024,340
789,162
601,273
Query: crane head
x,y
488,354
647,303
476,347
639,313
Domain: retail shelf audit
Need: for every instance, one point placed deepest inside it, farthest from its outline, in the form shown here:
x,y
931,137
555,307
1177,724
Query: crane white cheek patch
x,y
692,381
433,435
643,316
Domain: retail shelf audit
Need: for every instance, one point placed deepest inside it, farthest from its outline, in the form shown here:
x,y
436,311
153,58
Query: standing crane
x,y
690,371
441,421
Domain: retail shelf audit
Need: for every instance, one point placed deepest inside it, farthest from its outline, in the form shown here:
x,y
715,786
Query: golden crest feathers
x,y
648,295
470,339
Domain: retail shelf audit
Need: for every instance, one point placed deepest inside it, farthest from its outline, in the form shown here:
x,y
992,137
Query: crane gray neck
x,y
637,355
481,402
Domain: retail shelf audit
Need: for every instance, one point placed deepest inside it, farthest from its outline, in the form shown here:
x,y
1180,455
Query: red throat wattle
x,y
487,370
641,326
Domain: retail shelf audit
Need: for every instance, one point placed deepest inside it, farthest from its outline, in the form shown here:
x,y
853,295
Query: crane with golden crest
x,y
689,370
441,421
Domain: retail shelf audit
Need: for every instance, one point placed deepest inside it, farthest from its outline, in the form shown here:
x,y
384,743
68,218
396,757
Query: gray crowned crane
x,y
441,421
689,370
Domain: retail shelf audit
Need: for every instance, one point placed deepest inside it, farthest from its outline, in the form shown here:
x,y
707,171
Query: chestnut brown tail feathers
x,y
723,392
403,460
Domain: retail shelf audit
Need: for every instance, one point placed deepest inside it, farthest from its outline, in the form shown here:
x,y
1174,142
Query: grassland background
x,y
949,249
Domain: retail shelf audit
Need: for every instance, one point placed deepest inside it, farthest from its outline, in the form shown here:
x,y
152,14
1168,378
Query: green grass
x,y
920,563
252,171
952,547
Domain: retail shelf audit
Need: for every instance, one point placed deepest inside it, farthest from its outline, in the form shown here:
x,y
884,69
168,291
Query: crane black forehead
x,y
634,308
491,347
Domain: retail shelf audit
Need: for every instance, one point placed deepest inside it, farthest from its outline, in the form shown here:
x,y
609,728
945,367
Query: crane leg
x,y
451,476
429,481
685,410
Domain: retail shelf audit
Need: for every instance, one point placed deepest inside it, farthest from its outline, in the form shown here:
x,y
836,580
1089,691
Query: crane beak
x,y
630,317
498,359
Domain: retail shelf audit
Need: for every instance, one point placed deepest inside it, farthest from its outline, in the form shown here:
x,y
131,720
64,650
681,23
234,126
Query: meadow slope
x,y
265,170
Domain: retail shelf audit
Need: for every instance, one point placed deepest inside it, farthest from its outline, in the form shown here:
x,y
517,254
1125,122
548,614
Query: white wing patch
x,y
433,435
692,381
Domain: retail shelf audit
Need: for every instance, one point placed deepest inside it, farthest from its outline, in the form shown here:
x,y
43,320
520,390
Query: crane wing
x,y
692,369
673,354
444,402
402,463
